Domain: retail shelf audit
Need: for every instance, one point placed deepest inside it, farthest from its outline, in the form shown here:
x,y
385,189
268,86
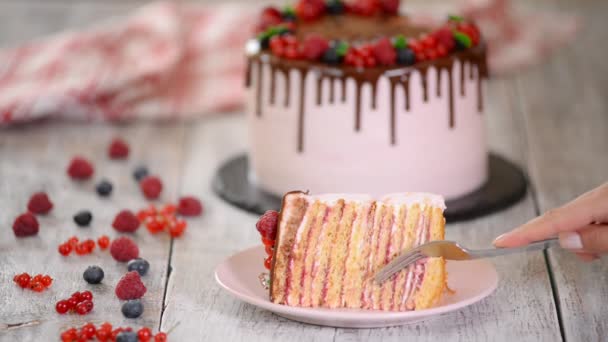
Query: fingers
x,y
587,257
591,239
588,208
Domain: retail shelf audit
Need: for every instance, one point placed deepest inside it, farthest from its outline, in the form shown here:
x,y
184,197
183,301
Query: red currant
x,y
103,242
154,226
37,286
47,280
65,249
84,307
23,280
77,295
268,262
62,306
72,302
103,335
69,335
144,334
160,337
267,242
88,331
168,209
90,245
115,333
82,249
73,241
37,278
86,295
178,228
268,250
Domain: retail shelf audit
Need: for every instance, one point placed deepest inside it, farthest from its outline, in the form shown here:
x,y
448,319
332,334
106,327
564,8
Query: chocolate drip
x,y
273,86
425,89
303,74
374,96
439,70
248,73
331,90
462,90
358,107
343,89
450,96
287,86
479,92
392,119
471,74
258,95
319,89
405,82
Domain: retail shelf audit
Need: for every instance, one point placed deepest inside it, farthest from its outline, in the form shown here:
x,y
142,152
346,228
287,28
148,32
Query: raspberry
x,y
39,203
267,224
385,52
118,149
428,42
130,286
126,222
445,37
270,17
25,225
151,186
366,7
309,10
390,6
124,249
314,47
80,168
189,206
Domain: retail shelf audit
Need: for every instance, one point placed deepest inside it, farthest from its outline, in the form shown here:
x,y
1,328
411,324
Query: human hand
x,y
581,225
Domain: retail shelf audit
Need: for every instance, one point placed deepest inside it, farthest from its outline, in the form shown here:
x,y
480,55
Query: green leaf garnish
x,y
272,31
400,42
342,48
289,10
463,39
455,18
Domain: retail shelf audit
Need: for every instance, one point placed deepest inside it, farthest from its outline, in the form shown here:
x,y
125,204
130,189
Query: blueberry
x,y
140,265
288,16
127,336
132,308
460,45
406,57
331,56
140,173
83,218
335,7
93,275
104,188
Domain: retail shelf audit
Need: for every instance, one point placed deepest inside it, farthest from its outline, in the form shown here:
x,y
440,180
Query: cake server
x,y
452,251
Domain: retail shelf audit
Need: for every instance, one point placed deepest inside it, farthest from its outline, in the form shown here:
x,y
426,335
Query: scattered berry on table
x,y
39,203
23,280
88,331
130,286
177,227
118,149
139,265
189,206
37,283
83,218
69,335
82,249
124,249
160,337
86,295
267,224
65,249
25,225
103,242
62,307
79,302
127,336
93,275
406,57
80,168
47,280
126,222
151,186
132,308
104,188
140,173
84,307
144,334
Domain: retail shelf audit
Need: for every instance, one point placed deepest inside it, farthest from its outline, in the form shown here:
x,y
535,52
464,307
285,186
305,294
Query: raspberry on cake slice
x,y
326,250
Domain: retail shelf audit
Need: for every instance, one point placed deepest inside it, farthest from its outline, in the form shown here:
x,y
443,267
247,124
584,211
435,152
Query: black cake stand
x,y
506,185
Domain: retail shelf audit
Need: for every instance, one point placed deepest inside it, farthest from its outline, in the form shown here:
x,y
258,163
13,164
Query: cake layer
x,y
334,130
328,249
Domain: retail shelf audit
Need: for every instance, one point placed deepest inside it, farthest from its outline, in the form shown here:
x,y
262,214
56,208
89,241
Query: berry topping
x,y
406,57
130,286
93,275
463,41
103,242
390,6
335,7
151,186
25,225
309,10
80,169
126,336
126,222
104,188
314,46
124,249
118,149
445,37
189,206
39,203
385,52
83,218
140,173
270,17
132,309
366,7
267,224
139,265
289,14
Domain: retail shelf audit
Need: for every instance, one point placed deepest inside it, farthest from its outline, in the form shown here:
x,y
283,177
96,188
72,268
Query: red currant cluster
x,y
373,7
82,247
105,333
360,57
267,226
285,46
440,43
157,221
37,283
79,302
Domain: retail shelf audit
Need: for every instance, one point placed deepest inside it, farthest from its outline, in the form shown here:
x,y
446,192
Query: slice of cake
x,y
326,250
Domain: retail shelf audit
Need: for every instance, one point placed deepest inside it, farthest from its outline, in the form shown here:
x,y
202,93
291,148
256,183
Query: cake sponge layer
x,y
329,248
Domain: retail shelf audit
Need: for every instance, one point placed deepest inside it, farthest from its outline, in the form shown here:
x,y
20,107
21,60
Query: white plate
x,y
472,281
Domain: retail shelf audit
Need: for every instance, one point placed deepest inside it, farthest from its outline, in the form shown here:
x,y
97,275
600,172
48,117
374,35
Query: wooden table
x,y
552,120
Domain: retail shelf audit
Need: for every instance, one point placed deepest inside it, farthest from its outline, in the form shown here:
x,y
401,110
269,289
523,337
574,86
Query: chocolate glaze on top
x,y
475,57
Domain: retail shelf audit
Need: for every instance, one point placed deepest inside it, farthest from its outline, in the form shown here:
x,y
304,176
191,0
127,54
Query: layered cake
x,y
354,97
325,250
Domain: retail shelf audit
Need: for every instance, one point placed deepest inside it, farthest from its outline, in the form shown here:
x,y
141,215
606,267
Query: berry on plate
x,y
80,168
130,286
93,275
39,203
267,224
132,308
126,222
151,186
25,225
83,218
189,206
124,249
139,265
118,149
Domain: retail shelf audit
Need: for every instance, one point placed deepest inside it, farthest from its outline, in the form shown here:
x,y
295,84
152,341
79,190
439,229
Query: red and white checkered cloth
x,y
172,60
